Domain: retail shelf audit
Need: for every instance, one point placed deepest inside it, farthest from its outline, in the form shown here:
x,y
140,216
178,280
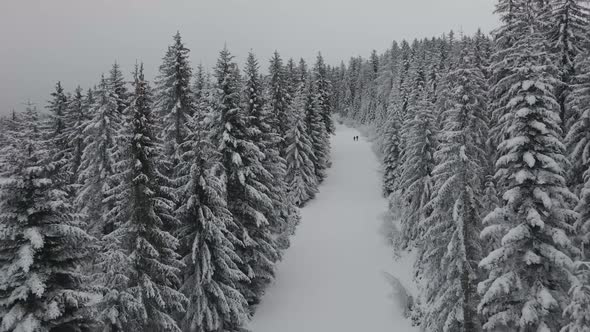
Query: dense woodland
x,y
165,205
485,142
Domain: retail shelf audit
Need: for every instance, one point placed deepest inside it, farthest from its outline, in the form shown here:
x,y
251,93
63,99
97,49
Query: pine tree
x,y
202,98
323,91
118,86
527,275
10,130
399,103
99,156
579,149
577,138
31,122
57,109
55,129
416,170
301,177
42,243
450,244
392,143
578,309
349,86
278,99
174,101
211,275
292,80
482,52
372,90
200,84
317,133
302,71
505,36
76,117
248,196
386,89
265,135
490,199
364,88
567,36
414,92
149,299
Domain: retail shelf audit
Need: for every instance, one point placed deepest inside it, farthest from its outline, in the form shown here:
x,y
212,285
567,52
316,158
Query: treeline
x,y
485,144
134,206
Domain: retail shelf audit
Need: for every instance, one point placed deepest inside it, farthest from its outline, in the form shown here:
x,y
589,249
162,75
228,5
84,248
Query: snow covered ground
x,y
332,277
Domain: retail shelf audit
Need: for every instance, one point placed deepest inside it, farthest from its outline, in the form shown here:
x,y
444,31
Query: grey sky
x,y
74,41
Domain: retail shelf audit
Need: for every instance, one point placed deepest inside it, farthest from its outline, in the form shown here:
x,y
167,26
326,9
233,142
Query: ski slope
x,y
331,278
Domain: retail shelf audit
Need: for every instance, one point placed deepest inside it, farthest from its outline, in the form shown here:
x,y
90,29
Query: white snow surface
x,y
332,276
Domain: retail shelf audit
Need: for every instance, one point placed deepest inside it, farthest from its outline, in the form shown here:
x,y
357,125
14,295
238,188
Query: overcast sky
x,y
74,41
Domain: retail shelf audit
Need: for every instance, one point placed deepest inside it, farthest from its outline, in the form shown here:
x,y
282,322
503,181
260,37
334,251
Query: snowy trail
x,y
331,278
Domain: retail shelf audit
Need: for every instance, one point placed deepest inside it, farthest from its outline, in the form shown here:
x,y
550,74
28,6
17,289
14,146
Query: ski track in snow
x,y
331,278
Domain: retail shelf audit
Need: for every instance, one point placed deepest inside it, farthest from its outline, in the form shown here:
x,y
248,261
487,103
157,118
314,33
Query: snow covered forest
x,y
485,142
132,207
167,205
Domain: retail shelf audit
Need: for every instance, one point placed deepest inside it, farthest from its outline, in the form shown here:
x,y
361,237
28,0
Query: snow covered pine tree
x,y
248,194
450,244
141,256
42,243
534,222
211,275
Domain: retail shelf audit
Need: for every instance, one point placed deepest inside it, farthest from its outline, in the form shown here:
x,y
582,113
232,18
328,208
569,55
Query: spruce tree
x,y
301,177
414,96
416,170
57,109
528,274
392,133
302,71
323,90
577,139
386,89
200,84
76,118
10,130
567,37
211,275
202,99
56,129
99,156
278,99
450,244
505,36
174,100
148,298
350,93
292,80
372,89
246,179
578,145
317,133
578,309
42,243
265,135
119,88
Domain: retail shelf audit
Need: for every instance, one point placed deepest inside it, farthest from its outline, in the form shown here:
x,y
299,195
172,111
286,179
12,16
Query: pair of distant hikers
x,y
355,138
